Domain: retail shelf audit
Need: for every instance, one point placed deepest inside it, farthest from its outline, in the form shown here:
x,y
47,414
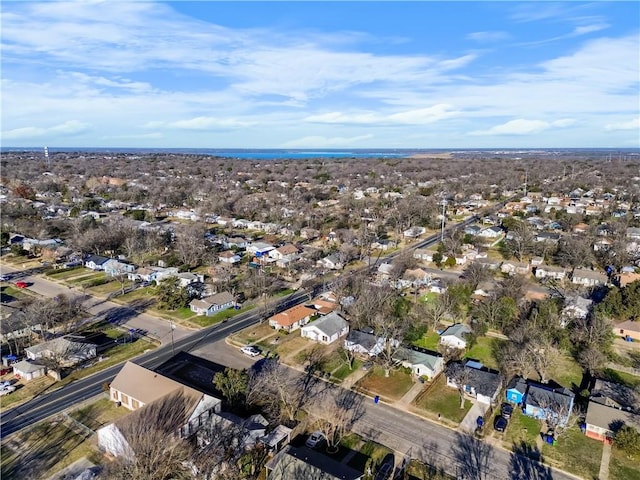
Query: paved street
x,y
157,328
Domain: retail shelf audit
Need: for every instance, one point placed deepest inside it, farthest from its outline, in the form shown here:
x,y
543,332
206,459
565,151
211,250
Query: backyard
x,y
483,350
439,399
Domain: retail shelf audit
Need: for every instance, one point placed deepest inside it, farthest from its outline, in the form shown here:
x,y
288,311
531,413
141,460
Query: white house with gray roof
x,y
421,362
326,329
455,336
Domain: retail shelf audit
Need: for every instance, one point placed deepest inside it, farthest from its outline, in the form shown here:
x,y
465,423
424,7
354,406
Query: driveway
x,y
469,424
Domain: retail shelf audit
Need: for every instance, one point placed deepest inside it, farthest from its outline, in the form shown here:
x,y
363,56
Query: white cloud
x,y
69,128
633,124
488,36
420,116
208,123
318,141
522,126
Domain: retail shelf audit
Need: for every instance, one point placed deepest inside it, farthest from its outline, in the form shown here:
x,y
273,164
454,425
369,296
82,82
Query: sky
x,y
299,75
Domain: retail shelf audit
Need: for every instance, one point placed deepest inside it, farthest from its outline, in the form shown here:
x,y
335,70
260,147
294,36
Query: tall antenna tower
x,y
46,157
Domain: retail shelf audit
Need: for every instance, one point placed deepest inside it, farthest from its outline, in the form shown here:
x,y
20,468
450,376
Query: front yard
x,y
575,453
440,399
521,430
390,388
621,467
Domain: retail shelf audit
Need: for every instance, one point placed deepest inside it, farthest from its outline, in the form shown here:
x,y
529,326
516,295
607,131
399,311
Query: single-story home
x,y
323,307
414,232
17,326
481,383
292,319
69,349
603,421
95,262
421,362
113,267
364,343
588,278
491,232
628,328
29,370
516,390
332,262
211,305
326,329
304,463
513,268
548,271
455,336
547,401
229,256
577,307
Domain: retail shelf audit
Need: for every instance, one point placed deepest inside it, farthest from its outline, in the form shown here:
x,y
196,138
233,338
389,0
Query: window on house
x,y
135,403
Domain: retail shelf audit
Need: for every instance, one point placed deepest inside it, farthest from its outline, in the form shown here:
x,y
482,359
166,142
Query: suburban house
x,y
576,307
95,262
491,232
602,421
414,278
625,278
323,307
588,278
144,274
516,390
113,267
292,319
287,251
547,401
414,232
229,256
423,254
68,350
364,343
135,387
16,326
28,370
211,305
490,263
259,249
628,328
332,262
548,271
481,383
455,336
513,268
422,363
615,395
304,463
326,329
472,230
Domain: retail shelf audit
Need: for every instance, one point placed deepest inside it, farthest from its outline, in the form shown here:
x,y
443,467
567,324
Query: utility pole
x,y
444,205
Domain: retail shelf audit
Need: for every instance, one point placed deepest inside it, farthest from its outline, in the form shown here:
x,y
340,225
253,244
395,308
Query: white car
x,y
315,439
4,278
250,350
7,390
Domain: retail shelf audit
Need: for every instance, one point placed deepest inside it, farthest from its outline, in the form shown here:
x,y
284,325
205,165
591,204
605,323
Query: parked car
x,y
367,365
250,350
7,390
385,471
500,423
5,384
4,278
506,410
315,439
21,284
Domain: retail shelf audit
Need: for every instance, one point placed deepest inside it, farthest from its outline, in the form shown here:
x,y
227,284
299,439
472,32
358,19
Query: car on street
x,y
500,423
315,439
506,410
7,390
5,384
21,284
250,350
4,278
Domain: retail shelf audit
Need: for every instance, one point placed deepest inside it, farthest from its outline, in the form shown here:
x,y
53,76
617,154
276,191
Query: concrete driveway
x,y
469,422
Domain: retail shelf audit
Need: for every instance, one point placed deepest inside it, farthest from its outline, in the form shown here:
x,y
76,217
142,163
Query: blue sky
x,y
320,74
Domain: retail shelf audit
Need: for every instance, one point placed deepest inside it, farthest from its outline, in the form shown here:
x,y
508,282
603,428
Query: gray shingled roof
x,y
330,324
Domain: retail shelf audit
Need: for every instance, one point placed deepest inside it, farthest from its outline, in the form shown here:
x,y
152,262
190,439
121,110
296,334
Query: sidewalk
x,y
604,463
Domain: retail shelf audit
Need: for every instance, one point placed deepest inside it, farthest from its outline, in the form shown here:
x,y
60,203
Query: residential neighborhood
x,y
285,330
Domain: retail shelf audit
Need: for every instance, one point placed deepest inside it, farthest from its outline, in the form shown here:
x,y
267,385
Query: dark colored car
x,y
506,410
500,423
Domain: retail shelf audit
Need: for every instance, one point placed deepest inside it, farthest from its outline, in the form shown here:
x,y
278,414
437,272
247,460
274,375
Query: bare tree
x,y
459,375
334,414
544,356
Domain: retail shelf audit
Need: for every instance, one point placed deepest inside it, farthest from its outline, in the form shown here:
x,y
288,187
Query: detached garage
x,y
29,370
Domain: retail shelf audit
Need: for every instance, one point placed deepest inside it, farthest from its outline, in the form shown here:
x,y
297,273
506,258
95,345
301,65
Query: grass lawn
x,y
137,294
344,371
576,453
10,293
44,450
429,341
622,467
440,399
253,334
483,351
90,277
65,274
107,288
521,429
288,344
370,453
204,321
624,378
428,297
98,414
423,471
390,388
26,391
183,313
567,372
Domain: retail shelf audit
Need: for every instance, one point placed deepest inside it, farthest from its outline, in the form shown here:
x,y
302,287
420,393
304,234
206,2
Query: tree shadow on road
x,y
473,457
526,463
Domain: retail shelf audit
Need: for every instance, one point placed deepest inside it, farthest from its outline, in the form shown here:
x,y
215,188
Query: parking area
x,y
469,423
224,354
